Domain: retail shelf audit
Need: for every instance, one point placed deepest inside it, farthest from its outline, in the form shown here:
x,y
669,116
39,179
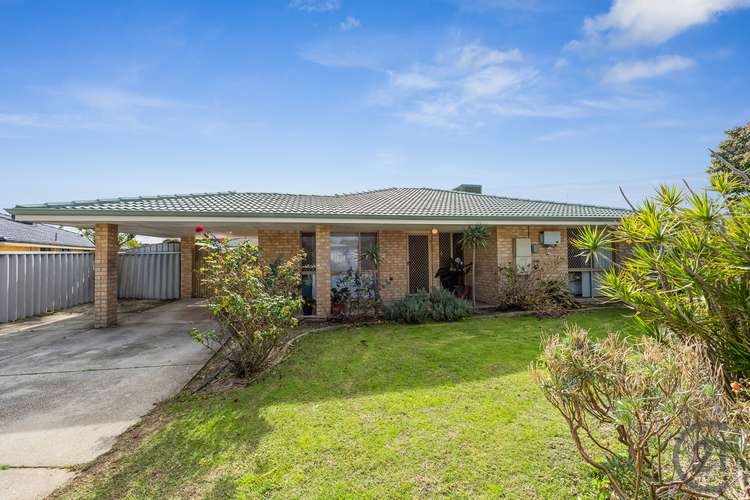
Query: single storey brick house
x,y
416,232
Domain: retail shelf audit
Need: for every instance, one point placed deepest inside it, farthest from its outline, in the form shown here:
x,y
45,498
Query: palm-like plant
x,y
475,237
688,270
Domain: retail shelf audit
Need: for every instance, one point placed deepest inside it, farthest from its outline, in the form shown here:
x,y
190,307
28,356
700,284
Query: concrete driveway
x,y
67,390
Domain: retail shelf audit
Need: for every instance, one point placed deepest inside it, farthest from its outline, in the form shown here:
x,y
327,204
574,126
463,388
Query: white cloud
x,y
114,99
460,83
413,80
624,72
631,22
350,23
22,120
315,5
559,135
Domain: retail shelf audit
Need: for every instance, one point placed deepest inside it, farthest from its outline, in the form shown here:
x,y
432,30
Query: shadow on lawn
x,y
339,364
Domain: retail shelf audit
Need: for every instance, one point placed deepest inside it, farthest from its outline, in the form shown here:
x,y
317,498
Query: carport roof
x,y
389,203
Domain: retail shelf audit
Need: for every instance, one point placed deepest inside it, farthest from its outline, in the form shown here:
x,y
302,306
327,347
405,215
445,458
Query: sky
x,y
553,100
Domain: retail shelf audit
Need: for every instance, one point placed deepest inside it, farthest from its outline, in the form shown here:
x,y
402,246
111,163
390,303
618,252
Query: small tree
x,y
124,240
735,151
689,268
475,237
255,302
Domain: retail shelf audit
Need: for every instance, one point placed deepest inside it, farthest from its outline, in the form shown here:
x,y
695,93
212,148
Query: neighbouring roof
x,y
39,234
401,203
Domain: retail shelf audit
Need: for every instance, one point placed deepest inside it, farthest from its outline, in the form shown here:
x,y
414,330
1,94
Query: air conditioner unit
x,y
551,238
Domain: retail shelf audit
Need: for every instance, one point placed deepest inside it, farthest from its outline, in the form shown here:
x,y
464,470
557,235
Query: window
x,y
307,242
351,252
585,274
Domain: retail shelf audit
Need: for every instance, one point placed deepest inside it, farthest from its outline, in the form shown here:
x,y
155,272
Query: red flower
x,y
199,229
735,386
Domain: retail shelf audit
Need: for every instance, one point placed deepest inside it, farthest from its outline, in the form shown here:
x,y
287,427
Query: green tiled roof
x,y
400,203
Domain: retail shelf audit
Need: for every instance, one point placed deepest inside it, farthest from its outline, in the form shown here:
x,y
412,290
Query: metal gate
x,y
419,262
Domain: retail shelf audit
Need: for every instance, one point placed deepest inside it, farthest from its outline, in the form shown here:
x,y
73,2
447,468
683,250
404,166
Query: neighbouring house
x,y
416,232
16,236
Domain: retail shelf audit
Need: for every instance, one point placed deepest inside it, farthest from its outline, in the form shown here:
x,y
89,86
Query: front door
x,y
419,262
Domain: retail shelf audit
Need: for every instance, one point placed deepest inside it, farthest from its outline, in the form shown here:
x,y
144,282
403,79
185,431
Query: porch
x,y
408,259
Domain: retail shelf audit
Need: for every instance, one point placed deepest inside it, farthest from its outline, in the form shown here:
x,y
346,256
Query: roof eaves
x,y
306,215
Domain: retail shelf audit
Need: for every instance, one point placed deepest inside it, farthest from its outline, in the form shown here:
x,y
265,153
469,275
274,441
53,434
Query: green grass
x,y
383,411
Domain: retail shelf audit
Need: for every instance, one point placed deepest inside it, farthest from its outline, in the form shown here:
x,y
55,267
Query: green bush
x,y
448,307
689,269
533,291
254,303
438,305
643,412
414,308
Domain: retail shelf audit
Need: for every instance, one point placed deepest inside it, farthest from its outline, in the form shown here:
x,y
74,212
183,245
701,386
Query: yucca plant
x,y
475,237
688,271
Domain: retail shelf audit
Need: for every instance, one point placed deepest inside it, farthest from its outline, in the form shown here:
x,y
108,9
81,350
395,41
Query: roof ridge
x,y
520,199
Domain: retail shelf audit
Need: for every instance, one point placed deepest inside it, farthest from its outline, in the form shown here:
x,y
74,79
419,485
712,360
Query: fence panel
x,y
40,282
33,283
150,272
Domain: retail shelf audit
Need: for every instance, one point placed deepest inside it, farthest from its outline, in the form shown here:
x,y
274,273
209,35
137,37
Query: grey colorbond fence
x,y
33,283
150,272
39,282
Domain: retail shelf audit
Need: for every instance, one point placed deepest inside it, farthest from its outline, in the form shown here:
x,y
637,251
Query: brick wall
x,y
434,259
277,244
187,267
499,252
392,271
553,260
105,276
322,270
486,268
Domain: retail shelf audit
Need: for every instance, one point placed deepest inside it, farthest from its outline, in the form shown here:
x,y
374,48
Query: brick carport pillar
x,y
187,252
105,275
322,270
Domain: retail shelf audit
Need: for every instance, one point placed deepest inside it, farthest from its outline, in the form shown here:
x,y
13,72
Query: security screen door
x,y
419,262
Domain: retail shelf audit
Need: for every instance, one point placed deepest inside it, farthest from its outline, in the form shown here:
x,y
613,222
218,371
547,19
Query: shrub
x,y
253,301
358,294
438,305
689,268
532,292
447,307
414,308
650,414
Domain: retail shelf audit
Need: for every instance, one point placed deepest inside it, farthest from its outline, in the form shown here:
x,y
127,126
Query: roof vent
x,y
469,188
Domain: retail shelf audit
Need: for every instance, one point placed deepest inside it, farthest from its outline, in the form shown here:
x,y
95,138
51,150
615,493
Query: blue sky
x,y
552,100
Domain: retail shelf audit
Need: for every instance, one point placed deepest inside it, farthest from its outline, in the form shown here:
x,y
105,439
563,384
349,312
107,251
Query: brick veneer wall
x,y
434,259
276,244
393,272
187,266
486,268
105,275
322,270
552,259
499,252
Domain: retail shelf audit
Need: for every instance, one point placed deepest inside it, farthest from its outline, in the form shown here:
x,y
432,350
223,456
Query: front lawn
x,y
385,411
